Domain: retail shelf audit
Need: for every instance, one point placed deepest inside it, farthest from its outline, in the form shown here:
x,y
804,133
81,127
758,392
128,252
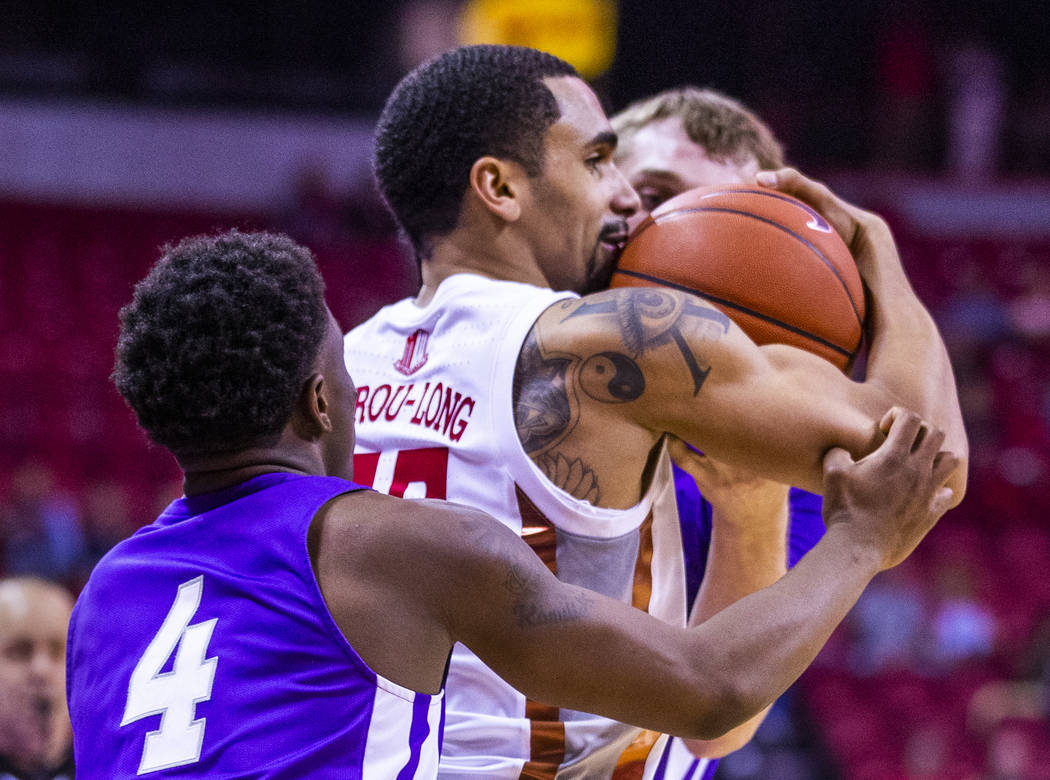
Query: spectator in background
x,y
315,214
976,80
906,75
1029,312
974,315
106,521
887,623
1009,754
1026,696
36,741
962,627
1034,663
40,526
1031,119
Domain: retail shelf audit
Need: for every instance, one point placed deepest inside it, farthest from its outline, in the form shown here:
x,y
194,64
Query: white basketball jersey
x,y
435,419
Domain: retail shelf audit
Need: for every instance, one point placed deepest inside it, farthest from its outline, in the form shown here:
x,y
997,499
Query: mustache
x,y
613,232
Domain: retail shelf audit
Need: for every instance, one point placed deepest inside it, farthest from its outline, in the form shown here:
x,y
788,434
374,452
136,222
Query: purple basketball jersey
x,y
202,647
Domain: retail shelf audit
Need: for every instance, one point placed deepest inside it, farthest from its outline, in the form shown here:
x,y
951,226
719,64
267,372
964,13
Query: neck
x,y
208,473
497,256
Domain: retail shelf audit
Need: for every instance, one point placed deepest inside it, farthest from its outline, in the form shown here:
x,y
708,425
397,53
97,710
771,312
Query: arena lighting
x,y
582,32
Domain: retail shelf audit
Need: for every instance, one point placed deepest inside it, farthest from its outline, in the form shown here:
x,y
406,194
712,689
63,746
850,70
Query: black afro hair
x,y
218,339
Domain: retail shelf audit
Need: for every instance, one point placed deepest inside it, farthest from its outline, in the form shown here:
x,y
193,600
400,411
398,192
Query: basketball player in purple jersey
x,y
280,622
671,142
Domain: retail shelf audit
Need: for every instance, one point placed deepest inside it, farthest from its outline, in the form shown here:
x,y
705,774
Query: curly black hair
x,y
218,339
464,104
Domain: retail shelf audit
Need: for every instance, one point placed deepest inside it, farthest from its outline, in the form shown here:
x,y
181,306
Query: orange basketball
x,y
767,260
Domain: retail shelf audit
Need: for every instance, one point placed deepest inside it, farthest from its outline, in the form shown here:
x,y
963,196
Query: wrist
x,y
858,548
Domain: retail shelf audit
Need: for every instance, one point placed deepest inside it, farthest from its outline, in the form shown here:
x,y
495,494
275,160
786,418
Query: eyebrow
x,y
659,173
605,138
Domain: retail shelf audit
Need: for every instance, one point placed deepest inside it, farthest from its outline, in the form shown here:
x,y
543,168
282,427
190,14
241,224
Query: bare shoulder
x,y
635,318
594,377
379,526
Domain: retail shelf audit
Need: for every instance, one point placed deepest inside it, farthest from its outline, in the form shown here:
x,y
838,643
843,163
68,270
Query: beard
x,y
602,262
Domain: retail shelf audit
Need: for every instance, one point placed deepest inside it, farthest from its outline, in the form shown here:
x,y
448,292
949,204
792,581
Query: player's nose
x,y
625,201
636,219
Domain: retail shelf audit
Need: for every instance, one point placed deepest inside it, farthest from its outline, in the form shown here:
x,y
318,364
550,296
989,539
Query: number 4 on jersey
x,y
174,694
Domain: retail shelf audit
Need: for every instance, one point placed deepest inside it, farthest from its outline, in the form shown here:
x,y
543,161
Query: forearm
x,y
703,683
744,556
775,633
907,357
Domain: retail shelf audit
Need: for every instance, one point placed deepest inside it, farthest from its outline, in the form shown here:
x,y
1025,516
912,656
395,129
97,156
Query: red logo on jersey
x,y
415,353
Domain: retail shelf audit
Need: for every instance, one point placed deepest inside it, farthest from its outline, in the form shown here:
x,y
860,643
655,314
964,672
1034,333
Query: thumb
x,y
837,459
942,501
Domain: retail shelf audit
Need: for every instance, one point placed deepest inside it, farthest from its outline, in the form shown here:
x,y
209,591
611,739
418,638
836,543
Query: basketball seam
x,y
758,315
789,231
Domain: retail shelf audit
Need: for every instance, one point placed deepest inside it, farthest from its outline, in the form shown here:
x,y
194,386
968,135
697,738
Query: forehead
x,y
663,148
582,117
31,610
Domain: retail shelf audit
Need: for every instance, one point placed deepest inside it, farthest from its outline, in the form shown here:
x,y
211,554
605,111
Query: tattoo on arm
x,y
545,412
574,477
546,407
542,409
531,611
650,318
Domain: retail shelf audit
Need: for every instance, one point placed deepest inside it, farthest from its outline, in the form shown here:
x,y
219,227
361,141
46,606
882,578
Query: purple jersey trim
x,y
661,768
417,735
806,527
441,727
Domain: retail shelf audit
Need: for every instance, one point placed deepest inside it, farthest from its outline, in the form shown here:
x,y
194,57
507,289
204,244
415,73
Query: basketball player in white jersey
x,y
500,387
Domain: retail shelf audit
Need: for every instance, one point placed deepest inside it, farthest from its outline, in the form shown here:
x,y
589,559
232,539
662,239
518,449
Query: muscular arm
x,y
567,646
635,363
747,551
639,362
426,574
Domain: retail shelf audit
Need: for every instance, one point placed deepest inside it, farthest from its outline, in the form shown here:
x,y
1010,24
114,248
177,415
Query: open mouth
x,y
613,240
606,255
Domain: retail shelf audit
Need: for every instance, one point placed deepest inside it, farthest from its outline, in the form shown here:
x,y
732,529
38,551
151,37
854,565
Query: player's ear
x,y
495,182
311,418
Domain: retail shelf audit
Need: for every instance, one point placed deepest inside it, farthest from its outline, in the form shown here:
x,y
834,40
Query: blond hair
x,y
723,127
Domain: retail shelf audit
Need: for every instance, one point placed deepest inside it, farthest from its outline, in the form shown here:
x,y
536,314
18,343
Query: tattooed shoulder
x,y
543,408
648,318
546,411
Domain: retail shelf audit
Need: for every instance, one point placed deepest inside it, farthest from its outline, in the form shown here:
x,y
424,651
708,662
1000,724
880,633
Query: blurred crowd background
x,y
126,125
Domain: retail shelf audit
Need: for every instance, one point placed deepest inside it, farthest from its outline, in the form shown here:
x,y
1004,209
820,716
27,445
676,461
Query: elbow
x,y
957,481
710,728
728,706
728,743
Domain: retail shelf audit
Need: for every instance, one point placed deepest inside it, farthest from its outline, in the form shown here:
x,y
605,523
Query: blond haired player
x,y
743,531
